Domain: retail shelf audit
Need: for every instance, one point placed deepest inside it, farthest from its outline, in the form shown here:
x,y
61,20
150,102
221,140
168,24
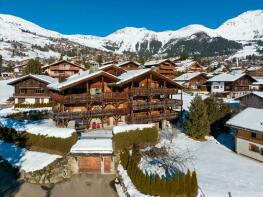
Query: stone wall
x,y
59,170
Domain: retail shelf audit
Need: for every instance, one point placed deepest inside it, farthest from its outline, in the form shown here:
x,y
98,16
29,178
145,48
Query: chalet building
x,y
255,71
129,65
94,153
32,89
189,66
19,70
249,132
253,99
101,100
62,69
230,85
112,69
165,67
258,85
192,81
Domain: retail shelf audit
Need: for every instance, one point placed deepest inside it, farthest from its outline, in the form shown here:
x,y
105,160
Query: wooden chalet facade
x,y
253,99
112,69
230,85
249,132
164,67
32,89
100,99
255,71
62,69
192,81
129,65
189,66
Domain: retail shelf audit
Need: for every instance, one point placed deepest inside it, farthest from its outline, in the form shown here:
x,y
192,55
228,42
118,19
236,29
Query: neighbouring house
x,y
112,69
19,70
189,66
129,65
255,71
258,85
165,67
94,153
7,74
253,99
32,89
92,100
192,81
62,69
230,85
249,132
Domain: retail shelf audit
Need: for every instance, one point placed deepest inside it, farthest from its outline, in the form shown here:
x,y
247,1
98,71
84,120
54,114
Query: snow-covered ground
x,y
24,159
9,111
42,127
219,169
5,90
130,127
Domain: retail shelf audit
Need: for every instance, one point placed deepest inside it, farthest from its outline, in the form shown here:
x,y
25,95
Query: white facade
x,y
31,100
217,87
243,147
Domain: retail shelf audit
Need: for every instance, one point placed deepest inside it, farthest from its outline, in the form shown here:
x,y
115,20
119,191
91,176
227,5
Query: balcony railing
x,y
156,104
88,114
152,91
85,97
152,118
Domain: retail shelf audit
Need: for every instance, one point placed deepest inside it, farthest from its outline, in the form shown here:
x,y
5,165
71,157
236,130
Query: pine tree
x,y
194,184
99,59
197,125
212,109
33,67
188,183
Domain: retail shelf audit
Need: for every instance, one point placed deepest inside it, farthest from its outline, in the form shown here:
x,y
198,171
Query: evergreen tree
x,y
194,185
33,67
188,183
10,67
212,109
197,124
99,59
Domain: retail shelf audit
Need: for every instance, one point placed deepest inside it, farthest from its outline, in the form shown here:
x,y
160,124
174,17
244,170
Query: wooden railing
x,y
152,91
85,97
151,118
255,140
31,94
156,104
88,114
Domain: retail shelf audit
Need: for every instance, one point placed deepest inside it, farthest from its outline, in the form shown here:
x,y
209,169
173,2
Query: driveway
x,y
83,185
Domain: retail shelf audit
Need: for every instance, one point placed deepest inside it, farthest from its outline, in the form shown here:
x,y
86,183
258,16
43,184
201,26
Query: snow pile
x,y
25,160
219,170
5,90
130,127
43,127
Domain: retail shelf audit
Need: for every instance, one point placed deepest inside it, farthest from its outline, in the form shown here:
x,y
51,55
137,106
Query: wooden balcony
x,y
152,91
31,95
88,114
85,97
156,104
151,118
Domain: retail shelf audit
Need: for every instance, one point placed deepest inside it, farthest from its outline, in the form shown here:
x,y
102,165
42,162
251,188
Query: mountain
x,y
20,39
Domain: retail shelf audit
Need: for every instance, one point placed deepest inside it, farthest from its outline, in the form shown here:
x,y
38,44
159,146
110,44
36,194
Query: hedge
x,y
38,142
135,137
35,105
180,185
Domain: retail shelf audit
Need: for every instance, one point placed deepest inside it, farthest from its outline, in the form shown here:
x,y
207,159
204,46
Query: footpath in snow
x,y
24,159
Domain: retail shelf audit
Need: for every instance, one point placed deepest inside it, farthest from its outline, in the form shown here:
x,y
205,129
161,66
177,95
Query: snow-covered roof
x,y
44,78
250,118
110,65
187,76
259,94
226,77
254,68
61,61
76,78
154,62
130,127
97,134
258,82
131,74
93,146
126,62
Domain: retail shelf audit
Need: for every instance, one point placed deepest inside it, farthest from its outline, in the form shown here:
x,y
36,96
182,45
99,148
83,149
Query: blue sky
x,y
101,17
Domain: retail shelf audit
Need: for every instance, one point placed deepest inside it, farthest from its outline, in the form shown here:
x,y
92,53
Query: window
x,y
216,87
254,148
253,135
23,91
39,91
21,100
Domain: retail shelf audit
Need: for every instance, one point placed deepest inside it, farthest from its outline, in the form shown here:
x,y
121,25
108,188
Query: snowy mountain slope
x,y
19,38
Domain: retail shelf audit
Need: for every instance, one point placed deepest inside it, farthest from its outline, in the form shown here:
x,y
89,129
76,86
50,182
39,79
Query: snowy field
x,y
9,111
219,169
25,160
5,90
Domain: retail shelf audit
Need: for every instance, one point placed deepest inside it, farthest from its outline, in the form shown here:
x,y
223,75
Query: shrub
x,y
38,142
136,137
35,105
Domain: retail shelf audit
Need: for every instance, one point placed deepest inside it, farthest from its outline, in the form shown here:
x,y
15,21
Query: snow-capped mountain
x,y
20,39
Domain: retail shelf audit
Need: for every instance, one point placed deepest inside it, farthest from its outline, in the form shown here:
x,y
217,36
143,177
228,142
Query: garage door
x,y
90,164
